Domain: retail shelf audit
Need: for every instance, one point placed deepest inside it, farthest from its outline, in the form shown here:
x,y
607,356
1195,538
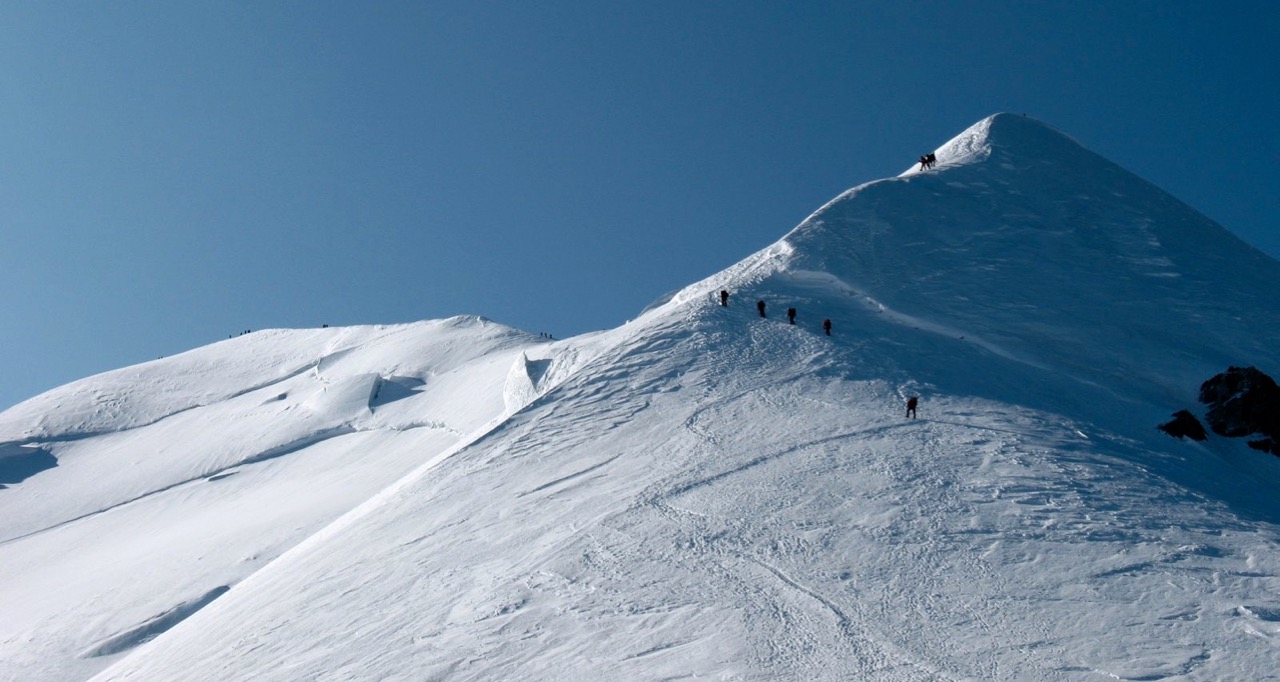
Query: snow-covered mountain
x,y
701,492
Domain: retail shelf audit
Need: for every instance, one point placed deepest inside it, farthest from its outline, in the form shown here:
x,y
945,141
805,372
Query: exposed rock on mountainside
x,y
1184,424
1244,401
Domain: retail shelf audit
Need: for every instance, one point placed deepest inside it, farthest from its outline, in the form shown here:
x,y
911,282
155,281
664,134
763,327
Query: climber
x,y
826,327
911,406
724,297
791,315
760,307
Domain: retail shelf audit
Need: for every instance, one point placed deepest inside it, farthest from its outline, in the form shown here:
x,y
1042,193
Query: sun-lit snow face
x,y
1037,249
702,491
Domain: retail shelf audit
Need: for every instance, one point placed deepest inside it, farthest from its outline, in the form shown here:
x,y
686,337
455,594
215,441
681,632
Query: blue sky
x,y
174,173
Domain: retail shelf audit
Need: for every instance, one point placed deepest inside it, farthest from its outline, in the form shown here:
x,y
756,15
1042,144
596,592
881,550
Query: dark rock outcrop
x,y
1184,425
1271,445
1242,401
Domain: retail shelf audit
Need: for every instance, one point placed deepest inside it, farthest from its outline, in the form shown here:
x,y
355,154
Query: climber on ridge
x,y
760,307
791,315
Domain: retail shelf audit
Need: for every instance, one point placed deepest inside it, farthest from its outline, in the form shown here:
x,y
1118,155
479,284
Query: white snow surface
x,y
699,493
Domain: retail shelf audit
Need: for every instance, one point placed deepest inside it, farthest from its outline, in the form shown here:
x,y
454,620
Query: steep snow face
x,y
1012,142
705,492
1028,246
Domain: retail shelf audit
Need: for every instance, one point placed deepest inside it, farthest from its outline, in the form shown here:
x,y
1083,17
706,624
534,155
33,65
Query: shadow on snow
x,y
19,462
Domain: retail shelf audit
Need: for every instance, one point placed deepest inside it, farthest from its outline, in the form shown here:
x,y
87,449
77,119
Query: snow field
x,y
184,498
700,492
681,512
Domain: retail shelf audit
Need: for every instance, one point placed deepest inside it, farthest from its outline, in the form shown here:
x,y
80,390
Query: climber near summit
x,y
760,307
826,327
911,406
791,315
928,160
724,298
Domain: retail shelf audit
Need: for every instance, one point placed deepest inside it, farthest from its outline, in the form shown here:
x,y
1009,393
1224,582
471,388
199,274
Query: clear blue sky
x,y
175,172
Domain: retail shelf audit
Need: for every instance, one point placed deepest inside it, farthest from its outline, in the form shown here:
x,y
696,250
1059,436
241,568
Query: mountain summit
x,y
1038,250
707,490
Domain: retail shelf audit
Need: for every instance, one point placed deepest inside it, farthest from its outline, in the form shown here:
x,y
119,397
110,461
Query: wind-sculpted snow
x,y
122,513
154,626
18,463
145,394
702,492
728,497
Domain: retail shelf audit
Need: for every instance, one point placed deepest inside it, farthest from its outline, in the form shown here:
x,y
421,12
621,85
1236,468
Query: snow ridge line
x,y
570,477
272,453
154,626
73,436
770,456
293,446
817,280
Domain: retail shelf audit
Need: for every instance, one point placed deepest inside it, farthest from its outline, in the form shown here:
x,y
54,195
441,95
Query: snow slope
x,y
177,478
702,492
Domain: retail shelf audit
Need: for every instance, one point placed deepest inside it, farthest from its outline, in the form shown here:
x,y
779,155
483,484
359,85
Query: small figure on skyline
x,y
791,315
911,406
760,307
826,327
931,158
924,162
724,298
